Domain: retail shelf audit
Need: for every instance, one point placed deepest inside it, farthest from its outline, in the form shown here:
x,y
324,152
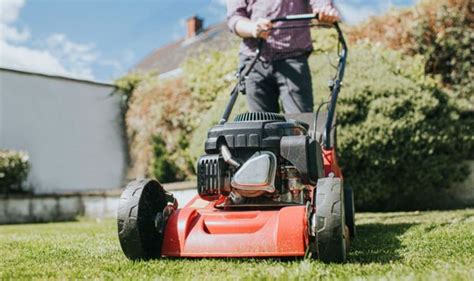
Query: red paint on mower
x,y
211,232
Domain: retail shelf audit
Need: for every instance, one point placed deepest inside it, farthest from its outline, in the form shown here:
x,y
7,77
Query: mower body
x,y
262,225
268,185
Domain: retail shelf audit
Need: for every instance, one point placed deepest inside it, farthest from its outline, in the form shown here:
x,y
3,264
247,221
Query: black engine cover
x,y
252,132
256,130
305,154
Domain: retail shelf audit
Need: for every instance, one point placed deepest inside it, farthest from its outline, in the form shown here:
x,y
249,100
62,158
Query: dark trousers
x,y
288,80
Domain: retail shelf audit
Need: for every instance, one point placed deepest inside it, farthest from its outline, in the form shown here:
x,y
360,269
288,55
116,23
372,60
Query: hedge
x,y
159,120
14,167
440,30
400,134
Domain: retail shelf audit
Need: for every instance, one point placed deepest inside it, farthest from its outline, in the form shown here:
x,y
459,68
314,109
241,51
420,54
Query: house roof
x,y
169,57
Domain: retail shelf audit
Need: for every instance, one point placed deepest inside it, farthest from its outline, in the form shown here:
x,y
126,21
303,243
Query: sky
x,y
102,40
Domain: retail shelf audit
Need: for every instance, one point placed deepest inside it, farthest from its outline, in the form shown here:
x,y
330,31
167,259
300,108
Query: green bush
x,y
161,167
400,136
126,85
209,75
440,30
163,109
446,39
14,167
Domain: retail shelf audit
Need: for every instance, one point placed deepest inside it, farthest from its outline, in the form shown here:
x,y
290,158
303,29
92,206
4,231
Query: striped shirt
x,y
281,43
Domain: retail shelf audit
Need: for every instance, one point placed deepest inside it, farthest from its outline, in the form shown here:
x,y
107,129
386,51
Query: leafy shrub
x,y
126,85
209,74
445,39
441,31
164,110
14,167
162,168
400,136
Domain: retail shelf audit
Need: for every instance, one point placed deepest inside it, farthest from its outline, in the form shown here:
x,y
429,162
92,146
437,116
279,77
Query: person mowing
x,y
283,72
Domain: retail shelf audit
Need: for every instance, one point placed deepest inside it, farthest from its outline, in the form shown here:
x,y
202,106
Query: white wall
x,y
70,128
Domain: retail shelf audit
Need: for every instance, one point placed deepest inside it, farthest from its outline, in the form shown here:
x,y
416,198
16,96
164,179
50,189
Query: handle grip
x,y
297,17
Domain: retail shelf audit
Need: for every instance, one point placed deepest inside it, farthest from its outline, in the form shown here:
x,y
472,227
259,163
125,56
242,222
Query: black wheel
x,y
349,210
139,205
330,220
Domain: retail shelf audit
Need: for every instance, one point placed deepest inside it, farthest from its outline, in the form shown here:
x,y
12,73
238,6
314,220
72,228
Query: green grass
x,y
401,246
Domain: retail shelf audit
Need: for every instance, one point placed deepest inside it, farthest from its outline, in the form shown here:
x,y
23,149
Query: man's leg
x,y
294,81
261,89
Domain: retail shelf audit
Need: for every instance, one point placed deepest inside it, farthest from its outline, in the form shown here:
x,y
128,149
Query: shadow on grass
x,y
378,243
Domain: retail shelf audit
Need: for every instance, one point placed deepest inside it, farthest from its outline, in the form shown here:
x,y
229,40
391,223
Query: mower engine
x,y
259,159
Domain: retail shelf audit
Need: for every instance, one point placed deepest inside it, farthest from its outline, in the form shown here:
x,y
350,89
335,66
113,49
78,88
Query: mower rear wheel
x,y
330,221
139,205
349,210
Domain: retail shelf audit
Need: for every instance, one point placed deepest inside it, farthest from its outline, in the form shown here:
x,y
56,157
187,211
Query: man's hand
x,y
328,14
246,28
261,28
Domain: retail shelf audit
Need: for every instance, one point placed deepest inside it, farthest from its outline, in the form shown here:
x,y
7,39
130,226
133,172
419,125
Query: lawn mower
x,y
268,185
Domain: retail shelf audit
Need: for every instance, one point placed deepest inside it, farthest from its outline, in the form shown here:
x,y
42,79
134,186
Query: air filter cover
x,y
256,176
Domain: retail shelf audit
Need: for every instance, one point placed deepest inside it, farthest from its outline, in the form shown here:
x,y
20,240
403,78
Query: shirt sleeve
x,y
319,3
236,10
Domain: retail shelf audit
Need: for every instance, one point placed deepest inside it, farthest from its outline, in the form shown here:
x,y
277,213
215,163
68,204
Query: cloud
x,y
8,33
9,13
179,29
182,22
57,55
77,57
127,57
219,2
10,10
217,9
355,11
24,58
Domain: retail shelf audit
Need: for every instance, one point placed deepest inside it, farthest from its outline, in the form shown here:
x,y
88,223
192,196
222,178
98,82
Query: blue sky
x,y
102,39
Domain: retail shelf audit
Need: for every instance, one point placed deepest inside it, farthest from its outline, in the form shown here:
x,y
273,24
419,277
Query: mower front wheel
x,y
140,204
331,230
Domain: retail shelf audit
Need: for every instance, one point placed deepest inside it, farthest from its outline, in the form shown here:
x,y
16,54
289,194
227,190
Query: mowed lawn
x,y
398,246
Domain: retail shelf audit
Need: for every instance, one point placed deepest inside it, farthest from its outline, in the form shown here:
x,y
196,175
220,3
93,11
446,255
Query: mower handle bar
x,y
336,83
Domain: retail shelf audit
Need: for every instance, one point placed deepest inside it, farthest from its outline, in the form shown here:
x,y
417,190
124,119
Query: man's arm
x,y
326,10
239,21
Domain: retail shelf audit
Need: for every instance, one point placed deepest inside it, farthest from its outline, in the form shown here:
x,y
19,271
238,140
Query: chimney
x,y
194,25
